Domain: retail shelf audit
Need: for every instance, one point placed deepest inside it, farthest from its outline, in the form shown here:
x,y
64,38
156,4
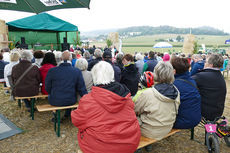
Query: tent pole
x,y
77,37
58,45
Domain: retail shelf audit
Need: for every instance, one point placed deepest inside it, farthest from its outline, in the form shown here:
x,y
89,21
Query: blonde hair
x,y
14,56
102,73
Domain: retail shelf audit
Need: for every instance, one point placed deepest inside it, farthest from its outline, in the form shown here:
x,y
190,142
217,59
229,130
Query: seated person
x,y
63,82
105,118
129,75
30,83
198,64
156,107
212,87
189,113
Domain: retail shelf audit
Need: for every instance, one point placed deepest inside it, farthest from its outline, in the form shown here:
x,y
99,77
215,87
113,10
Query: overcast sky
x,y
107,14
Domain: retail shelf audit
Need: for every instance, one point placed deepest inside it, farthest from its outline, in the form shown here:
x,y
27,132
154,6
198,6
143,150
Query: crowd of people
x,y
121,96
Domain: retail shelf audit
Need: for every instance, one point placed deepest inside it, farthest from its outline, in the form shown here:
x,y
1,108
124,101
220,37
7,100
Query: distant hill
x,y
96,33
148,30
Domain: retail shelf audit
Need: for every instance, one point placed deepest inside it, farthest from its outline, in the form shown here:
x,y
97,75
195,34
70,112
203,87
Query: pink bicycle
x,y
213,130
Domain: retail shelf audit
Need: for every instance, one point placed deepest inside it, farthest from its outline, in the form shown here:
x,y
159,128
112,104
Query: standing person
x,y
63,82
130,75
105,118
189,113
139,63
47,63
151,63
156,107
2,66
212,87
14,59
30,83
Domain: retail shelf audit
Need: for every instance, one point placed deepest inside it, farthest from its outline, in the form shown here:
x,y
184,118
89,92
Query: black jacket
x,y
130,77
212,88
93,62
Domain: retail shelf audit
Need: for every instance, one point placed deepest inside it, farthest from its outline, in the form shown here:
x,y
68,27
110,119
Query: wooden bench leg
x,y
57,120
32,108
19,103
192,133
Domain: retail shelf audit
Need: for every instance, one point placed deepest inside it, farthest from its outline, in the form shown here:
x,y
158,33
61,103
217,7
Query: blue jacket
x,y
2,66
197,67
62,84
189,113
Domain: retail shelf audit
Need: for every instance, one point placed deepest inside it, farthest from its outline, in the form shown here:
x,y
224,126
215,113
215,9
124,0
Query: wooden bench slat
x,y
147,141
48,107
37,96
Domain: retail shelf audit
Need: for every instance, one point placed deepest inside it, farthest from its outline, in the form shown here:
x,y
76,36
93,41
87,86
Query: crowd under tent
x,y
43,31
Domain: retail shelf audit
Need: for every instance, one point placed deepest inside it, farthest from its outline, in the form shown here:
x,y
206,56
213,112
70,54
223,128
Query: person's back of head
x,y
102,73
98,53
198,57
139,56
107,55
151,55
181,65
14,56
81,64
86,55
66,56
49,59
163,73
5,50
214,61
119,57
38,54
27,55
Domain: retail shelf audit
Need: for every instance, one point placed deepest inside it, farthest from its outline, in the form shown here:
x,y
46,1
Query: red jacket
x,y
43,71
107,123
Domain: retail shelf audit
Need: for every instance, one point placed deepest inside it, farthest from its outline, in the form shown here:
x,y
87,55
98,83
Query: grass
x,y
145,43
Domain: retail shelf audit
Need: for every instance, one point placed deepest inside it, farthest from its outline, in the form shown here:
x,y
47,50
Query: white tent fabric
x,y
162,45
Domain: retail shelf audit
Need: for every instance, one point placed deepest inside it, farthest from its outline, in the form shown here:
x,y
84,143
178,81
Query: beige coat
x,y
156,113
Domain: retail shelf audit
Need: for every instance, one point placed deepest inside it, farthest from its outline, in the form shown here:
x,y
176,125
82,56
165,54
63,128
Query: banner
x,y
9,1
51,2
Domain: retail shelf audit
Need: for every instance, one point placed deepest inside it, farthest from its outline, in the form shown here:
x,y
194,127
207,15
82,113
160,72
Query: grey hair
x,y
119,57
163,73
86,55
81,64
198,56
216,60
139,56
27,55
98,53
102,73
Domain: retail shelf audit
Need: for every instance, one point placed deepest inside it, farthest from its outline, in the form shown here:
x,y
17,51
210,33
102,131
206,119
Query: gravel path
x,y
39,135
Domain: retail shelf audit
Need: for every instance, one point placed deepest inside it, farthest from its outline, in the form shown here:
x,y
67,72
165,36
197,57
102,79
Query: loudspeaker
x,y
65,45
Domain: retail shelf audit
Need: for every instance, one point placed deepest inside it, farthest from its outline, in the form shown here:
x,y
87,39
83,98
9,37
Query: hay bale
x,y
188,46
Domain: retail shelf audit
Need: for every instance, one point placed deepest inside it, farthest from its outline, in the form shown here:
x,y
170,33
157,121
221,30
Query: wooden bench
x,y
147,141
33,98
57,116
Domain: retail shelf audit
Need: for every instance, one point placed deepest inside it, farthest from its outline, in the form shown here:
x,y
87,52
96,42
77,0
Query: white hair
x,y
81,64
163,72
27,55
102,73
139,56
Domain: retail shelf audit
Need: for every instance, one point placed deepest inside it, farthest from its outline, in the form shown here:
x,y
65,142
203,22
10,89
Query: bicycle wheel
x,y
227,140
212,144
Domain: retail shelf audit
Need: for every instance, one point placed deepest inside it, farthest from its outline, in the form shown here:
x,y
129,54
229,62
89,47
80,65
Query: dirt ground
x,y
39,135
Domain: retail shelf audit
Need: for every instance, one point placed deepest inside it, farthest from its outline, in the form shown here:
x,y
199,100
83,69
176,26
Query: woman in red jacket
x,y
105,117
47,63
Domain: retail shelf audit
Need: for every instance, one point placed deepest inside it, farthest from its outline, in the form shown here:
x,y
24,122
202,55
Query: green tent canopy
x,y
42,21
43,31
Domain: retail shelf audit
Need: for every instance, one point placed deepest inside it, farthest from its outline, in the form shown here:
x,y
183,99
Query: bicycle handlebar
x,y
215,120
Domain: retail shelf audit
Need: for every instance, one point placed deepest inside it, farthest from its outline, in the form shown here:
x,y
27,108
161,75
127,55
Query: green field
x,y
145,43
